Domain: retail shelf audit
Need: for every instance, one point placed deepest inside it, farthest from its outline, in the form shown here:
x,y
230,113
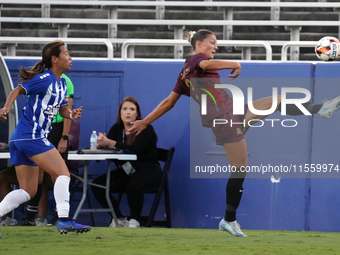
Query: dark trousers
x,y
145,178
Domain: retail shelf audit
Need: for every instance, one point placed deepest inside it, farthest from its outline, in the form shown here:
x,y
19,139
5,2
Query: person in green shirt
x,y
60,126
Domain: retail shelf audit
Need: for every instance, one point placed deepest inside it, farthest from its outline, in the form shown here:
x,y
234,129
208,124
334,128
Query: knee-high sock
x,y
32,205
292,109
62,195
12,200
234,191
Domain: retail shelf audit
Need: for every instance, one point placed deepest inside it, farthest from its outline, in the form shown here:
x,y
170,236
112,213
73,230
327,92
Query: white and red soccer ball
x,y
327,48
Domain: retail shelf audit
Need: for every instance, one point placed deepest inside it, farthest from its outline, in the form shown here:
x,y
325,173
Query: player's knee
x,y
54,177
30,190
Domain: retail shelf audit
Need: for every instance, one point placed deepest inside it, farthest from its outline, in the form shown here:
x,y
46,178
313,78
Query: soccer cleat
x,y
122,222
27,222
8,221
40,221
329,107
133,223
71,226
232,227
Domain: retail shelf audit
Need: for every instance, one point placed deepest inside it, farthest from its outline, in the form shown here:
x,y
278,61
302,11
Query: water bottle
x,y
93,141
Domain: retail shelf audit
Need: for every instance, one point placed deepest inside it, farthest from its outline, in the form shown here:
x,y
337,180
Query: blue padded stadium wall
x,y
287,204
325,193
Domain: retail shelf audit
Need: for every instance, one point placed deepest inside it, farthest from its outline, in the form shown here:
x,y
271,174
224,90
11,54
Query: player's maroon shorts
x,y
226,131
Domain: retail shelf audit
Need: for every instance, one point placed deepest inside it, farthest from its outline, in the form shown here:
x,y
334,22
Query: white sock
x,y
62,195
12,200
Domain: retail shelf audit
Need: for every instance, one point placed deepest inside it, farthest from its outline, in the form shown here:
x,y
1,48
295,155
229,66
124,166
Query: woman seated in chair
x,y
133,178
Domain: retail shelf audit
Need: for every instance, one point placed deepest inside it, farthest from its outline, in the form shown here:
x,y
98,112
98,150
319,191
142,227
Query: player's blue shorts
x,y
21,150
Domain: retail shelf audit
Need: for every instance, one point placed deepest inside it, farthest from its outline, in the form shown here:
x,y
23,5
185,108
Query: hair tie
x,y
192,35
42,64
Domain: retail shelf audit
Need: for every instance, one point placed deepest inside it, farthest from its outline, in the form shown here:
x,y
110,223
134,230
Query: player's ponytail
x,y
50,49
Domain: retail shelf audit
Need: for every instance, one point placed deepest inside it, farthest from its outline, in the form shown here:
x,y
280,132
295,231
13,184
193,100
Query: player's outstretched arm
x,y
10,100
67,113
222,64
166,105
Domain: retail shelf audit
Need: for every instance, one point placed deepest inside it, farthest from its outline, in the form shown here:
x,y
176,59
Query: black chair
x,y
148,221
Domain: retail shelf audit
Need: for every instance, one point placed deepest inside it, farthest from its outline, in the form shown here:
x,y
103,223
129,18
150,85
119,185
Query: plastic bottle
x,y
93,141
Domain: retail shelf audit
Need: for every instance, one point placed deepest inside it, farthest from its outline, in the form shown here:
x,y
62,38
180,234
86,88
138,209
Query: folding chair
x,y
166,157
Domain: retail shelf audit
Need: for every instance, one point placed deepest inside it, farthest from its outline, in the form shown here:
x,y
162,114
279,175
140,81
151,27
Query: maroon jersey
x,y
194,81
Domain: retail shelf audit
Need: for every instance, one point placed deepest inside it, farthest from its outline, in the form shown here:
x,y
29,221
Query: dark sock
x,y
32,205
292,109
234,191
64,219
31,212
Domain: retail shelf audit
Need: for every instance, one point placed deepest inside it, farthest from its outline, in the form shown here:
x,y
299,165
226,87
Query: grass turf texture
x,y
46,240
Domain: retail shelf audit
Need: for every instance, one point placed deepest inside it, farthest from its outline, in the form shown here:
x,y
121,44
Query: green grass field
x,y
46,240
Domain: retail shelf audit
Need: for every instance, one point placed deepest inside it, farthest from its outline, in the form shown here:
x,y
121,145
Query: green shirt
x,y
70,94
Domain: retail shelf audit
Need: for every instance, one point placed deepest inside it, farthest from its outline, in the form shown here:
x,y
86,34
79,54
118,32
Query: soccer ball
x,y
327,48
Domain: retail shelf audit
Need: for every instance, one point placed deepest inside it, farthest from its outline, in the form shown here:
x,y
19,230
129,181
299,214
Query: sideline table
x,y
87,158
4,155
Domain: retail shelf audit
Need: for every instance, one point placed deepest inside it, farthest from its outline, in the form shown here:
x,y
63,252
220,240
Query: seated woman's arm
x,y
139,144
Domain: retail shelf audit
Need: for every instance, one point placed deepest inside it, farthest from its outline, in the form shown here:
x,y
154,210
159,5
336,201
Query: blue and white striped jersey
x,y
46,95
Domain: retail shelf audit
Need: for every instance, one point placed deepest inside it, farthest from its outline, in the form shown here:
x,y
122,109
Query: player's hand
x,y
62,145
76,113
137,127
3,113
234,73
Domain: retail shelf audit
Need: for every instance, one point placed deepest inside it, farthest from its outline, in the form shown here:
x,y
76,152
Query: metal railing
x,y
173,22
127,49
159,5
284,50
178,25
12,41
236,43
177,3
128,52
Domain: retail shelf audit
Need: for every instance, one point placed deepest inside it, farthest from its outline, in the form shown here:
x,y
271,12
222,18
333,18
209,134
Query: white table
x,y
4,155
87,158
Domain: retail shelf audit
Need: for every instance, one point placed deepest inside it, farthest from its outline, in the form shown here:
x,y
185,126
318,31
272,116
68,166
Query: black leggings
x,y
145,178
